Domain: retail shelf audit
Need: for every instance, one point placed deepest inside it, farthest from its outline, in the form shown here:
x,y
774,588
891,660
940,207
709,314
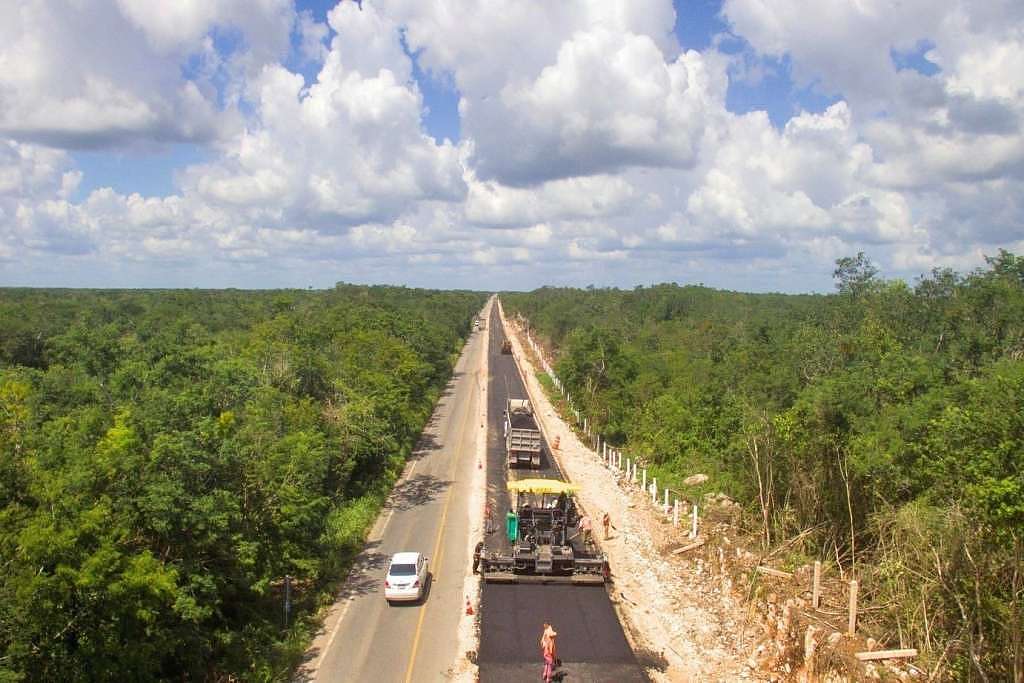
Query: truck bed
x,y
524,440
522,420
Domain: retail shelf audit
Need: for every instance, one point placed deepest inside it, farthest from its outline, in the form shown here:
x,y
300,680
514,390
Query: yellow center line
x,y
437,543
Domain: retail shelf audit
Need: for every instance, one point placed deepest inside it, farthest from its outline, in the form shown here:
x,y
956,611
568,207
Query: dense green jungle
x,y
886,420
168,457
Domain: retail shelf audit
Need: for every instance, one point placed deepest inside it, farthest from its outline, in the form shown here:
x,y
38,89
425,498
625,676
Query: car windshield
x,y
402,570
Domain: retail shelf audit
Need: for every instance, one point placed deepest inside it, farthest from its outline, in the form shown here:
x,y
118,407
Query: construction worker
x,y
476,555
585,528
549,651
606,522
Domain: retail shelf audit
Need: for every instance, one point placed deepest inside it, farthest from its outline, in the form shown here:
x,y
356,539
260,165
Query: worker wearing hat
x,y
549,651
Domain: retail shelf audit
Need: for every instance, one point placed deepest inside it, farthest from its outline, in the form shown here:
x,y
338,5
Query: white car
x,y
406,577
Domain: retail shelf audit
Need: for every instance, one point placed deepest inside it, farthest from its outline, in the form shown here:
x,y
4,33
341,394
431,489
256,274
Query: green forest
x,y
885,419
168,457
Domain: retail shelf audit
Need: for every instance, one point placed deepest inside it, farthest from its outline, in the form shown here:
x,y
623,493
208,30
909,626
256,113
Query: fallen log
x,y
687,548
885,654
774,572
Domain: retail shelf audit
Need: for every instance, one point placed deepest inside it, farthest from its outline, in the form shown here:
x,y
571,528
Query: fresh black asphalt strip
x,y
591,642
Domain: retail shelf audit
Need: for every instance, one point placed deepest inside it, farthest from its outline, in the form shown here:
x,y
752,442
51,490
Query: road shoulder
x,y
681,631
464,669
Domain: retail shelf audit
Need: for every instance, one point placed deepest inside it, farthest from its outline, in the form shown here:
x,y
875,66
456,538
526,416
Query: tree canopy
x,y
167,457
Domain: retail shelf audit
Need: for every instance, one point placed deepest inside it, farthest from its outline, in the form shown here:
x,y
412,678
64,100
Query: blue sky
x,y
607,142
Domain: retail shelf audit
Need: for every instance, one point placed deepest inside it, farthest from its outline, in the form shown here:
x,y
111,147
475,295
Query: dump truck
x,y
506,346
523,443
541,543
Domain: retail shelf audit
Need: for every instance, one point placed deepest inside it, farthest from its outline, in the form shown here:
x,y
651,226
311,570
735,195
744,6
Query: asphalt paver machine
x,y
540,533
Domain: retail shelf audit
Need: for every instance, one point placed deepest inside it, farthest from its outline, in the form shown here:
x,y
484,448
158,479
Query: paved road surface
x,y
591,642
365,639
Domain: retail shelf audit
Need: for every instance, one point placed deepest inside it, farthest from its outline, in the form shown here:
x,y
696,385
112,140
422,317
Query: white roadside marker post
x,y
816,586
851,626
675,514
693,527
666,501
654,491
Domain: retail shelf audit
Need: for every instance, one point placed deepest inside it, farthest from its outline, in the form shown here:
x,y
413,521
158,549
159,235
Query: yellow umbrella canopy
x,y
541,486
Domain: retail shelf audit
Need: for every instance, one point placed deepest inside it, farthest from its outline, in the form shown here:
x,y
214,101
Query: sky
x,y
489,145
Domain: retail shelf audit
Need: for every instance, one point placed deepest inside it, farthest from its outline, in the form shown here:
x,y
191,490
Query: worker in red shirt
x,y
549,651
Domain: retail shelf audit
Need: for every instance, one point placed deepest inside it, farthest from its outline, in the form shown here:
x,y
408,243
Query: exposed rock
x,y
695,479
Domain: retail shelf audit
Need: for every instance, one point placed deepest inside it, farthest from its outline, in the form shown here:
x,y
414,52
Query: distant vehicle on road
x,y
506,346
406,578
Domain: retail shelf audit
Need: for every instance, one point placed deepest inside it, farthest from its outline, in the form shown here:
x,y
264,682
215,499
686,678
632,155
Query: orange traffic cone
x,y
469,607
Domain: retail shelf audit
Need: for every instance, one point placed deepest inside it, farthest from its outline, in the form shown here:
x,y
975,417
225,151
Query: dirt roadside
x,y
681,616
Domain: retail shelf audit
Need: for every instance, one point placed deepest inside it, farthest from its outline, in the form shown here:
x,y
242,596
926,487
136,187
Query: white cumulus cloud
x,y
593,149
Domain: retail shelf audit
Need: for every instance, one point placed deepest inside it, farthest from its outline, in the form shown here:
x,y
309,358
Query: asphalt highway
x,y
365,639
591,642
